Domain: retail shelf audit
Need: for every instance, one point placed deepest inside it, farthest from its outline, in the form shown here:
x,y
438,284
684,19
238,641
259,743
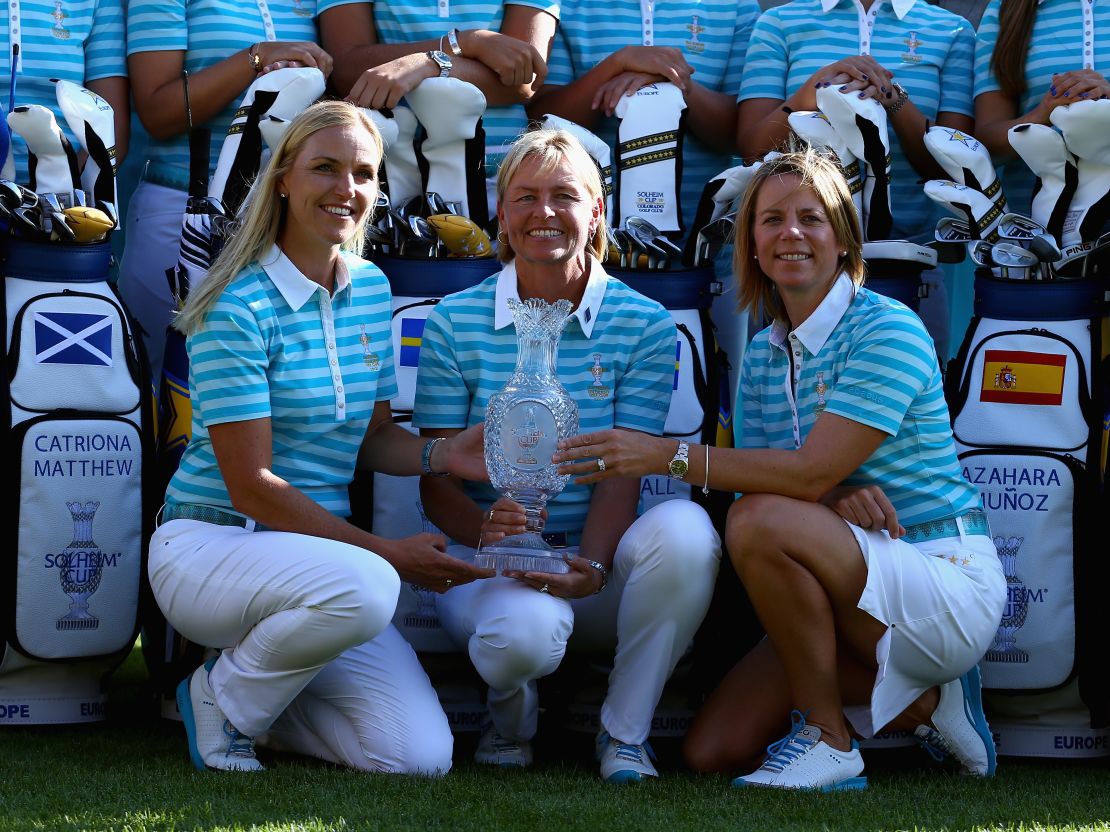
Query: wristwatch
x,y
442,61
681,462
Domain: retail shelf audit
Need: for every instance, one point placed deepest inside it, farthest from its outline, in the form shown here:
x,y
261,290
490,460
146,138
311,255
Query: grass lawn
x,y
133,775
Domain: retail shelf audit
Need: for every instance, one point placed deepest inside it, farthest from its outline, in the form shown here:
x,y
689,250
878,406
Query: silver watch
x,y
680,464
442,61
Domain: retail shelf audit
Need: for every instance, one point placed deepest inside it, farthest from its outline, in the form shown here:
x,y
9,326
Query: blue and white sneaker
x,y
497,750
214,743
800,760
624,762
960,728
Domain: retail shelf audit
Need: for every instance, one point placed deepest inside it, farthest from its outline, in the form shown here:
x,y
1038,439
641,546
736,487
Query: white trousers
x,y
659,589
153,237
310,662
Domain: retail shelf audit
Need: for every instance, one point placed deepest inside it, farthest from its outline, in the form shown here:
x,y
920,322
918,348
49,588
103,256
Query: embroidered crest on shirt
x,y
370,359
821,389
299,10
59,14
597,390
695,28
912,41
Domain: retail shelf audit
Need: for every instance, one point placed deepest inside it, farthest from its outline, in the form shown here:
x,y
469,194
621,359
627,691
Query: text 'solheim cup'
x,y
525,420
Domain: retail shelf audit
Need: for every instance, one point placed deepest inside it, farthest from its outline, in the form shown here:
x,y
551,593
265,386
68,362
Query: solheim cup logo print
x,y
1005,647
80,567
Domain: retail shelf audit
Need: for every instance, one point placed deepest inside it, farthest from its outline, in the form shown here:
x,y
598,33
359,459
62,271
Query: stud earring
x,y
844,254
283,196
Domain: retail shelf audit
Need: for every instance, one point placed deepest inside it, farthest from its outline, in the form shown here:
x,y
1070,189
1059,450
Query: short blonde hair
x,y
550,147
823,176
263,217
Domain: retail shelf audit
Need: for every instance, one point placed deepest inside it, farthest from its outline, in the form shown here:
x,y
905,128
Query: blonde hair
x,y
263,217
823,176
549,147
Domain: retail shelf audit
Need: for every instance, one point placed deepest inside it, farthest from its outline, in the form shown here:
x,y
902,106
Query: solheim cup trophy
x,y
524,421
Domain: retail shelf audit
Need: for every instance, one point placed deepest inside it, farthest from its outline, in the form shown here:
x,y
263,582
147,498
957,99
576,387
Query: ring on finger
x,y
448,583
601,465
491,515
545,588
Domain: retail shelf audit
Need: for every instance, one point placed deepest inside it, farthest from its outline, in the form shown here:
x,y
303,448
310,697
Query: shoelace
x,y
935,744
239,744
783,752
630,753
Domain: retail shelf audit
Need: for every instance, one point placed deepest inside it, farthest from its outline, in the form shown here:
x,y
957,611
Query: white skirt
x,y
941,601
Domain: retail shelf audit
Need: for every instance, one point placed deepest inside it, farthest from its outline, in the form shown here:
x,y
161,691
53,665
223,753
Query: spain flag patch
x,y
1019,377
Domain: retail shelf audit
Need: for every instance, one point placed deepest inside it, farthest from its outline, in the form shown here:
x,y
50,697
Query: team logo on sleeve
x,y
912,41
695,28
370,359
598,390
1020,377
73,338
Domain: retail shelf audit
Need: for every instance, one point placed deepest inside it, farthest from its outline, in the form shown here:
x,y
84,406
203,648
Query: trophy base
x,y
522,553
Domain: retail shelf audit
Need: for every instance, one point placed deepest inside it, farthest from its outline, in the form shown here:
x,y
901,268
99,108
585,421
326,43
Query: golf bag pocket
x,y
1022,385
417,286
78,552
69,347
1036,507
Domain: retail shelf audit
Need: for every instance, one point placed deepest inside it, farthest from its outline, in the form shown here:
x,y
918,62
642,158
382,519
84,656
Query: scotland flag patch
x,y
73,338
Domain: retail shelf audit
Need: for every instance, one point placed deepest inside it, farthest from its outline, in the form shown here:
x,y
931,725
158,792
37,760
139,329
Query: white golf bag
x,y
1027,394
80,433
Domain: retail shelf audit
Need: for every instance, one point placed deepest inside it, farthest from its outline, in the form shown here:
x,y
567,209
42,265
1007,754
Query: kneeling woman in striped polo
x,y
291,372
865,553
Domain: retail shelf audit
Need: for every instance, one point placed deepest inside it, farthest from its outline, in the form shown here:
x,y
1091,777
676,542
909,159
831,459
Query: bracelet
x,y
705,484
426,458
255,59
903,97
604,573
453,41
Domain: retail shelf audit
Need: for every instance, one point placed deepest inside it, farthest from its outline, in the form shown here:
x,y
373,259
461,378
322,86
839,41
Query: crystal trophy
x,y
524,421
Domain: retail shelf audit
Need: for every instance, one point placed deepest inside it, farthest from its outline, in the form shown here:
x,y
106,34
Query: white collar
x,y
291,282
901,7
815,330
588,307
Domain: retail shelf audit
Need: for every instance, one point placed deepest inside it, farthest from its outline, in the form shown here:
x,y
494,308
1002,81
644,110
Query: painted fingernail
x,y
865,78
863,95
1052,90
843,89
1067,94
1082,95
882,89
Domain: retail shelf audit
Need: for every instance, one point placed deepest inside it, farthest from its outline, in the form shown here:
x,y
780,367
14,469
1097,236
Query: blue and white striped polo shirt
x,y
1056,45
928,49
400,22
712,34
208,31
868,358
277,346
75,40
469,351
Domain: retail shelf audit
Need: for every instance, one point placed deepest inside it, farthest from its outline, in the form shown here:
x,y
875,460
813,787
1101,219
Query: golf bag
x,y
1027,393
79,415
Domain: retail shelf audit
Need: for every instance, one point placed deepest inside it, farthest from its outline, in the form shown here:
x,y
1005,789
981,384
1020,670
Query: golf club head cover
x,y
461,235
1043,151
1085,126
283,93
598,149
815,129
452,154
273,129
966,161
981,213
92,120
717,199
861,124
386,123
51,159
402,170
649,156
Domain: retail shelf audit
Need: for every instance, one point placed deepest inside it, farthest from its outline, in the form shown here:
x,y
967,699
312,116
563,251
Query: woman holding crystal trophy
x,y
866,555
598,578
291,372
